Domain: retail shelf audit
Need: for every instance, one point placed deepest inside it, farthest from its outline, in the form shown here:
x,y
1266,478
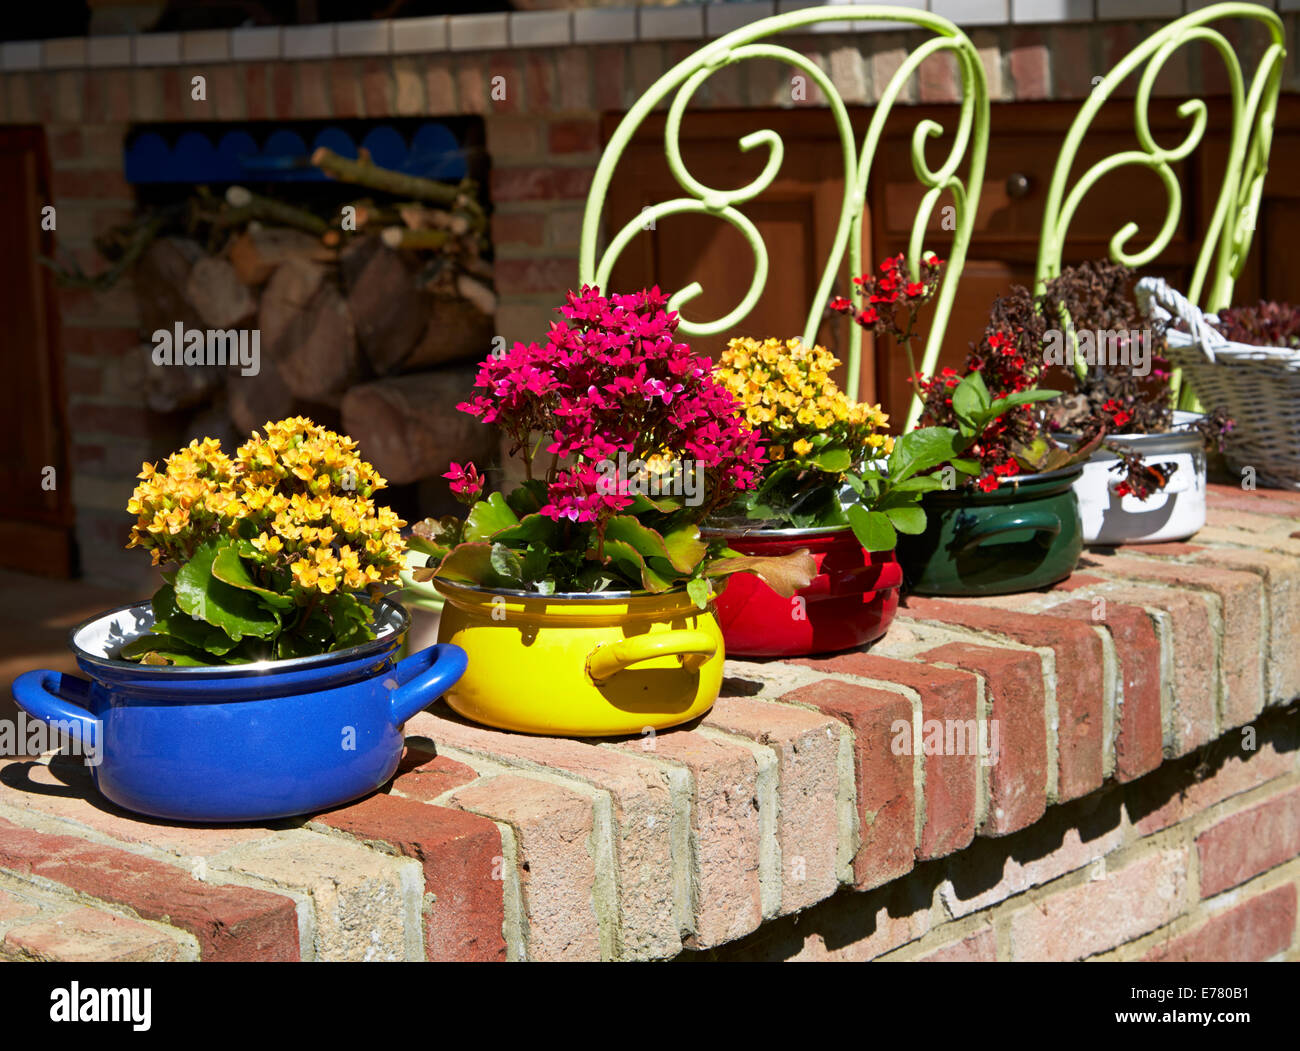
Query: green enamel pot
x,y
1023,535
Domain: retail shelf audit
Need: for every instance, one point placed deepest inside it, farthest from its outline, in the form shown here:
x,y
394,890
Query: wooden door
x,y
36,513
797,217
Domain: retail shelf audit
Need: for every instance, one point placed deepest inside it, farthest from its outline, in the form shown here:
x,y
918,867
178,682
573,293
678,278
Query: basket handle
x,y
1157,300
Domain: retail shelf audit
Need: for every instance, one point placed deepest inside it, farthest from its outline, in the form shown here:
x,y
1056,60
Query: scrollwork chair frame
x,y
748,42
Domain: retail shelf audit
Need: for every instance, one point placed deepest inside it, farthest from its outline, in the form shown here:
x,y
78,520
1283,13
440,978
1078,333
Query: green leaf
x,y
922,450
921,483
435,536
872,528
1022,397
624,556
856,484
532,529
488,517
163,644
505,563
685,548
234,611
970,398
229,568
907,519
833,461
467,563
170,621
528,497
700,591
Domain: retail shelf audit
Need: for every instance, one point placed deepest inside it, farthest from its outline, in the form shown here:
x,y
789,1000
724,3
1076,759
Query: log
x,y
286,296
477,293
373,177
457,331
254,400
317,356
258,251
246,205
409,427
160,281
217,294
387,309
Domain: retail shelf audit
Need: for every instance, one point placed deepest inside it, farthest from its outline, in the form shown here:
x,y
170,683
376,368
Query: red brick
x,y
1254,930
1170,549
725,832
1249,842
807,748
539,83
573,78
1077,580
1253,501
1101,914
937,80
1180,792
980,947
85,935
556,870
256,92
574,136
1028,65
457,850
378,88
230,922
951,781
1281,578
519,276
608,75
439,86
1240,595
113,420
65,144
1072,70
97,184
518,228
323,92
15,908
504,84
111,343
1017,792
80,379
1079,688
1139,730
1117,40
536,183
886,793
282,90
226,93
429,779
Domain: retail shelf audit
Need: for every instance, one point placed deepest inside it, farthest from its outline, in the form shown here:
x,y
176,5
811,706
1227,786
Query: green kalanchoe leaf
x,y
873,529
229,568
488,517
234,611
700,591
907,519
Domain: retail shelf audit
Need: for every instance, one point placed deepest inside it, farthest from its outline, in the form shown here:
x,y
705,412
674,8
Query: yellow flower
x,y
802,447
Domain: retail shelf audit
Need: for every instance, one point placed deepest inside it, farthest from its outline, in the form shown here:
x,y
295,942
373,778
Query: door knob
x,y
1018,185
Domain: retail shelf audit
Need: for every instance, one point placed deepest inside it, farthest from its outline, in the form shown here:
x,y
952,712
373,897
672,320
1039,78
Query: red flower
x,y
988,483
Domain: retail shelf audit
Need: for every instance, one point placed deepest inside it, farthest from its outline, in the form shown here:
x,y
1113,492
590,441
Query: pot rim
x,y
383,642
1180,429
563,596
759,531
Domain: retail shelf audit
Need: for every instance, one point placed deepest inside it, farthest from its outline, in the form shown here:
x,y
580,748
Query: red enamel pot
x,y
850,602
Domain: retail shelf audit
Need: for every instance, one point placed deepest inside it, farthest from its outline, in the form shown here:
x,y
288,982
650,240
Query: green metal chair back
x,y
1228,237
685,78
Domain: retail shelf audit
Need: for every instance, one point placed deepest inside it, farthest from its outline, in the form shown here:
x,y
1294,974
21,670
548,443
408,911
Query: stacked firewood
x,y
373,319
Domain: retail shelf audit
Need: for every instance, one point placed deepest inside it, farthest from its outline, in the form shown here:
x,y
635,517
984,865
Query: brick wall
x,y
1142,801
543,139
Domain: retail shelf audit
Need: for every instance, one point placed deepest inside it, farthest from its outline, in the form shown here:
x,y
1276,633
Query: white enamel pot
x,y
1175,513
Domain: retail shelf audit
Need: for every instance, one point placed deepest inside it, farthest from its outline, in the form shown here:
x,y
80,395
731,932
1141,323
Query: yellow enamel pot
x,y
581,665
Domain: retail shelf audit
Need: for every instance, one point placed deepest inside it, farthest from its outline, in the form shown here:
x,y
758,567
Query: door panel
x,y
34,522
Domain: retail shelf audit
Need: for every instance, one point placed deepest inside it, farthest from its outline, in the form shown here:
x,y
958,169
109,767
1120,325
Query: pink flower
x,y
465,482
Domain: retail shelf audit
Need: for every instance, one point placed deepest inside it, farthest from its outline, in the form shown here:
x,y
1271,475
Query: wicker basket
x,y
1260,386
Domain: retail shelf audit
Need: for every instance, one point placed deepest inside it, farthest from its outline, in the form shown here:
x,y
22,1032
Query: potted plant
x,y
260,681
584,594
1247,360
1012,524
1145,479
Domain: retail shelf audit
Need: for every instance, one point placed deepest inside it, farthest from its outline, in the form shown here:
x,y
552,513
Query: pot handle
x,y
1042,522
694,647
423,677
55,697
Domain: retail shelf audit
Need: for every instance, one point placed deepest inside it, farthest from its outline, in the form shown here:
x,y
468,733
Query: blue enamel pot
x,y
238,743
